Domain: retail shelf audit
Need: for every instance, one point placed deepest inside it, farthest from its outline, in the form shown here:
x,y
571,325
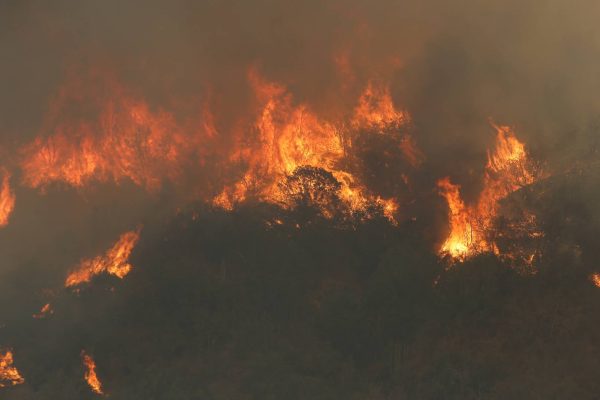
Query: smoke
x,y
452,66
455,67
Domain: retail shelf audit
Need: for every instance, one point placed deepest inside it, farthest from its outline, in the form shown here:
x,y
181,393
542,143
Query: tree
x,y
312,188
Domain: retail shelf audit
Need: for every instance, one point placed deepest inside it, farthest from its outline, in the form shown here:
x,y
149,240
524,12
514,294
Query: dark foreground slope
x,y
266,304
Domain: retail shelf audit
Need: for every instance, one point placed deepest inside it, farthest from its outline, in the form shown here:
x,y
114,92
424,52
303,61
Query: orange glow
x,y
125,139
98,131
595,278
44,312
9,375
507,170
461,236
7,199
376,109
114,262
376,112
291,136
90,373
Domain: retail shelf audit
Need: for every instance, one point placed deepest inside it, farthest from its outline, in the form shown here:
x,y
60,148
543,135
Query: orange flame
x,y
595,278
289,137
44,312
90,373
9,375
127,140
376,109
461,237
7,199
114,262
507,170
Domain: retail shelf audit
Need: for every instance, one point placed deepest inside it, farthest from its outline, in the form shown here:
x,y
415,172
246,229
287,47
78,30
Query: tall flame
x,y
114,262
125,140
461,237
376,109
90,375
9,375
7,198
289,137
507,170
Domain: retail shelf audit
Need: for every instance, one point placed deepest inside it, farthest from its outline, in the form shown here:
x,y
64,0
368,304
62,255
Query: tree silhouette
x,y
312,188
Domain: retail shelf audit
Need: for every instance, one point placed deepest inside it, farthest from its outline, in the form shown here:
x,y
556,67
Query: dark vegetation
x,y
237,306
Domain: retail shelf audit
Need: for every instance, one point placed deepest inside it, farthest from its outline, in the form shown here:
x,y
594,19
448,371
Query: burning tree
x,y
311,187
472,227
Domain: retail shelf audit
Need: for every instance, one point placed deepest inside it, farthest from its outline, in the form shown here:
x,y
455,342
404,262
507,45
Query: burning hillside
x,y
114,262
291,137
90,373
339,200
508,169
7,199
123,140
9,375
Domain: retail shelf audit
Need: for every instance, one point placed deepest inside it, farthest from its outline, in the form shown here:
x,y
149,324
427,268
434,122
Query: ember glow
x,y
508,169
114,262
9,375
7,198
44,312
595,278
90,375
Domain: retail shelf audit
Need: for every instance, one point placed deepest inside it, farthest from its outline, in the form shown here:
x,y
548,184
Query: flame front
x,y
126,140
90,375
290,137
376,109
9,375
507,170
7,199
114,262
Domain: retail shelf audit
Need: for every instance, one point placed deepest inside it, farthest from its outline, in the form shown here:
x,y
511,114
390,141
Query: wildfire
x,y
461,237
595,278
287,137
507,170
9,375
114,262
90,373
126,140
376,109
7,198
290,137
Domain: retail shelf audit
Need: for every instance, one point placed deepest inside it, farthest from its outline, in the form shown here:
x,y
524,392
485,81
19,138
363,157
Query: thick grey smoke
x,y
455,66
452,65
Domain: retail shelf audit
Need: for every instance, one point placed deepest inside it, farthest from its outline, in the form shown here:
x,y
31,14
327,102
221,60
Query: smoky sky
x,y
455,66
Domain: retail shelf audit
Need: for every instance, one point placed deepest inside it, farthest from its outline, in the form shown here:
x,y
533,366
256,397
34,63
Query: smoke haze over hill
x,y
299,200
